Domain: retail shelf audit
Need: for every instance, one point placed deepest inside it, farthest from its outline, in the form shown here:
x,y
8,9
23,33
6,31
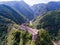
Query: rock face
x,y
34,32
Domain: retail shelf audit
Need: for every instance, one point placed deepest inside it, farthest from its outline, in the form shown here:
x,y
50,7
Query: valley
x,y
21,24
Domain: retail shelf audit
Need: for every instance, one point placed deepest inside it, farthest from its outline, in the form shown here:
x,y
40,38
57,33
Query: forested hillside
x,y
49,21
22,7
12,14
5,26
18,25
11,35
40,9
9,18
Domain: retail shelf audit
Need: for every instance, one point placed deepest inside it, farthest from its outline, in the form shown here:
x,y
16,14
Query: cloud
x,y
31,2
10,0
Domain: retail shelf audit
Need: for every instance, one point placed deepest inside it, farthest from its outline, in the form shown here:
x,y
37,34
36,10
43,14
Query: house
x,y
34,32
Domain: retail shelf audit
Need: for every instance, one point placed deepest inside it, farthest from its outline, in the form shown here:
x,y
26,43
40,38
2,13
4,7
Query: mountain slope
x,y
49,21
12,14
5,26
22,7
42,8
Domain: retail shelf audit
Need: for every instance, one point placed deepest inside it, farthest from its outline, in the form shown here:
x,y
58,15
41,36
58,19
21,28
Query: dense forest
x,y
49,21
22,7
47,24
41,8
10,35
12,14
5,25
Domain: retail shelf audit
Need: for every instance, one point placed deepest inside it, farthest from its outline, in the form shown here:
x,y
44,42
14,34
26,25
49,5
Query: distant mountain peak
x,y
40,9
22,7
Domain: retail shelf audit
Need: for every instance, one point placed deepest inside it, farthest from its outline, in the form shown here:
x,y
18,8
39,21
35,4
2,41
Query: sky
x,y
32,2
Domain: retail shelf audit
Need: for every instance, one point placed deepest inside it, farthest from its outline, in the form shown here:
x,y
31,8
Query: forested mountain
x,y
10,20
17,14
11,35
22,7
8,17
10,13
40,9
49,21
5,26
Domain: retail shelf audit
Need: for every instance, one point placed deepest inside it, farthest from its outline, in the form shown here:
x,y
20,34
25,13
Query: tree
x,y
58,36
43,38
33,42
21,42
49,21
28,42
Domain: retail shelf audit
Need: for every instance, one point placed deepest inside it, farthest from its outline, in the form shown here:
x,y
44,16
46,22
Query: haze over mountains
x,y
33,11
22,7
42,8
46,17
10,13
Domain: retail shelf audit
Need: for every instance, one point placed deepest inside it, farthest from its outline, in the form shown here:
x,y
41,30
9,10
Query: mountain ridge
x,y
14,15
22,7
42,8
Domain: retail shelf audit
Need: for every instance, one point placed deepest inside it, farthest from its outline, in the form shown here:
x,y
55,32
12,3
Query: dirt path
x,y
54,43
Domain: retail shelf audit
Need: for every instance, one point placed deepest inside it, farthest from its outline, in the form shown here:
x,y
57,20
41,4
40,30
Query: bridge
x,y
34,32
